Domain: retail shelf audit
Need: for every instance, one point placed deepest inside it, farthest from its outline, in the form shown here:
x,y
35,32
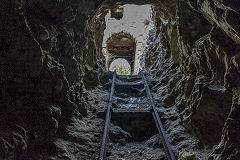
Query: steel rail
x,y
162,133
107,121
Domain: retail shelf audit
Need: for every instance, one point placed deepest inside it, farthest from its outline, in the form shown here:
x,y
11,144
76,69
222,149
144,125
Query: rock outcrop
x,y
42,65
194,53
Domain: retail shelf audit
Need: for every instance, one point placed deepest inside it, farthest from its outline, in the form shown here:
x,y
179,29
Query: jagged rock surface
x,y
194,55
42,68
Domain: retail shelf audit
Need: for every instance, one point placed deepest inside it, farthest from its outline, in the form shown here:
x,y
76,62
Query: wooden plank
x,y
162,133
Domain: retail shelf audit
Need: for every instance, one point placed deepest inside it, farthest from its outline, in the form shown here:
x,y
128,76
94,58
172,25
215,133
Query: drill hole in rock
x,y
140,125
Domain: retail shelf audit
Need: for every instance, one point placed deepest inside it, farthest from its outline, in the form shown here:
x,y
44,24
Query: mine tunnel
x,y
121,46
119,80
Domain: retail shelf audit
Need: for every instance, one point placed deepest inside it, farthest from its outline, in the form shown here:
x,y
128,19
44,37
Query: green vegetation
x,y
123,71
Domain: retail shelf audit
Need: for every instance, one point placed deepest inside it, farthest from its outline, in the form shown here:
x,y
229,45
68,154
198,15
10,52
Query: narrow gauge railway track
x,y
162,134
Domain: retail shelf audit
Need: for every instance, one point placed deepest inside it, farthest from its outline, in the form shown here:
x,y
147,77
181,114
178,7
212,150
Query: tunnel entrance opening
x,y
121,66
120,53
126,32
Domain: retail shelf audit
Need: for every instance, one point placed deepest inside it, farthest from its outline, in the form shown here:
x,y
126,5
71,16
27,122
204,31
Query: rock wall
x,y
42,65
194,54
